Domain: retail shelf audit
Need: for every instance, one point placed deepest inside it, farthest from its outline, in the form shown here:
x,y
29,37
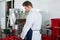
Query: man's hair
x,y
27,3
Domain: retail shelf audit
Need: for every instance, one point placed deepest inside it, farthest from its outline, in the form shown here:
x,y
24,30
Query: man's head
x,y
27,5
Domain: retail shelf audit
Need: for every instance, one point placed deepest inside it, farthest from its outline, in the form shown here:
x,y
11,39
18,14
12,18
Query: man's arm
x,y
27,26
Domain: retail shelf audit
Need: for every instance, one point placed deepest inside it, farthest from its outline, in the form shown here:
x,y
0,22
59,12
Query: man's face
x,y
27,8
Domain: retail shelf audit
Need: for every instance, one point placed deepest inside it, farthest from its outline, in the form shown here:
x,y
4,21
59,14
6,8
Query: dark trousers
x,y
29,35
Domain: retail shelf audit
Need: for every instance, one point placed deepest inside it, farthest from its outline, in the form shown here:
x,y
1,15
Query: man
x,y
32,26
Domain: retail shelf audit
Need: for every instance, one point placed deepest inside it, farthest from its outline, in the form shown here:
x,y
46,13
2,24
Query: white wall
x,y
18,3
54,8
4,0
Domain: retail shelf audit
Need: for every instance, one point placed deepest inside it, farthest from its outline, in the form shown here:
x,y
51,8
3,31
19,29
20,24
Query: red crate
x,y
46,37
4,38
55,31
55,23
12,38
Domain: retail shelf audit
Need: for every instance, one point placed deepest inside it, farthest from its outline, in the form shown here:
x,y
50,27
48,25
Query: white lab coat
x,y
33,21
